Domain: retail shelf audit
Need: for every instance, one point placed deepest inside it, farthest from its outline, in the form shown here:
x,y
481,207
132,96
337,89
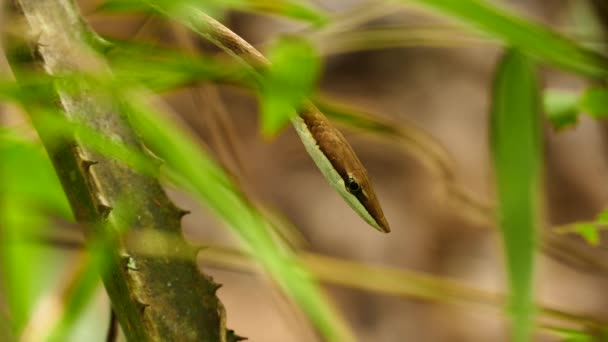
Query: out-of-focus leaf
x,y
286,8
213,7
515,145
162,68
290,79
570,335
123,6
588,232
595,102
561,108
530,37
29,192
602,217
30,176
290,9
193,170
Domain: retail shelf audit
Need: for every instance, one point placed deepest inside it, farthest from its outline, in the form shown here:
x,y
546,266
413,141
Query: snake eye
x,y
352,185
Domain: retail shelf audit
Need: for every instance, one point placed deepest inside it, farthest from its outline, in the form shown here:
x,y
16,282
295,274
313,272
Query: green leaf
x,y
530,37
162,69
595,102
561,108
290,79
29,192
602,217
214,7
571,335
183,8
123,6
29,175
291,9
515,145
589,232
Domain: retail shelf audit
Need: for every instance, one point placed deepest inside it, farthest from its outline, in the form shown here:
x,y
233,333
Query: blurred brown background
x,y
444,91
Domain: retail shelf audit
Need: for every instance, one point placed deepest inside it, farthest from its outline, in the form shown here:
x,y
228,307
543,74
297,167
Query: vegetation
x,y
105,143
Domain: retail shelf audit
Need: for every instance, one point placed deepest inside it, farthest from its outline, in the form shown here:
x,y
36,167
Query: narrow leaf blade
x,y
515,144
530,37
290,79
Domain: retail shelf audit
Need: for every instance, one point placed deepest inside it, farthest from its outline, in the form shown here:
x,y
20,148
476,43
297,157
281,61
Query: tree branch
x,y
155,298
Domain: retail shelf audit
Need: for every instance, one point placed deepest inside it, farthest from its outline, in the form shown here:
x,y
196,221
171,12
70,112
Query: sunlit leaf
x,y
213,7
29,193
570,335
530,37
515,145
293,9
123,6
595,102
161,68
561,108
602,217
29,175
588,232
290,79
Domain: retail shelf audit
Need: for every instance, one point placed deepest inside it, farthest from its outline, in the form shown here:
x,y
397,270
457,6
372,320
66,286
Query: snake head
x,y
358,185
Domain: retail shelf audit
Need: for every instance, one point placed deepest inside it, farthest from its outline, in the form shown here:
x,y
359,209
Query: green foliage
x,y
515,143
561,108
588,232
569,335
31,196
529,37
133,62
290,80
180,8
595,102
294,9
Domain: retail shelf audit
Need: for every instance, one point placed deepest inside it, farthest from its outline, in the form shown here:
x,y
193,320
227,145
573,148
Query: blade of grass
x,y
29,191
530,37
296,10
515,143
290,79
